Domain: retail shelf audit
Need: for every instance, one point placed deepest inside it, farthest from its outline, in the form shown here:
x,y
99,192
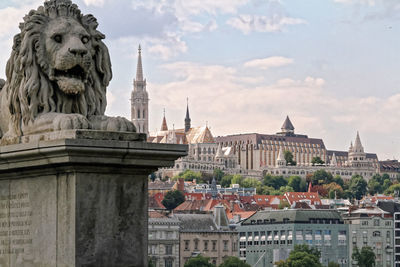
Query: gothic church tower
x,y
140,100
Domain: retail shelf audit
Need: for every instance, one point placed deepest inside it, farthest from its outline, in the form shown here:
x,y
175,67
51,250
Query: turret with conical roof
x,y
287,128
140,99
187,118
357,157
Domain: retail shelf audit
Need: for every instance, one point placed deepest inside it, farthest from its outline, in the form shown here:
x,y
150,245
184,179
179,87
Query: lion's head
x,y
58,64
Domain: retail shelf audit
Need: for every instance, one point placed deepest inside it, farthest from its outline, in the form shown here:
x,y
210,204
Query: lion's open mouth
x,y
71,81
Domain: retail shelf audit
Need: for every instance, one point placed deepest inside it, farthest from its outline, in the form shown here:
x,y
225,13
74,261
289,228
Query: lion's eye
x,y
57,38
85,39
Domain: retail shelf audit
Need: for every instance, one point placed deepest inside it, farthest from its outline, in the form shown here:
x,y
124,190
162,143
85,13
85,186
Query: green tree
x,y
337,179
189,175
274,181
289,158
393,190
199,261
218,174
152,176
233,262
226,180
285,189
302,256
317,160
173,199
358,186
295,183
251,182
237,179
365,257
321,177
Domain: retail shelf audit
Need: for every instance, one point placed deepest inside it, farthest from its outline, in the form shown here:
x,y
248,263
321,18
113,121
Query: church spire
x,y
139,69
187,118
140,99
164,126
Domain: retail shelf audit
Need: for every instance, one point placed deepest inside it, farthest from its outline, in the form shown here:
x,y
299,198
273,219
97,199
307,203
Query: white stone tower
x,y
140,100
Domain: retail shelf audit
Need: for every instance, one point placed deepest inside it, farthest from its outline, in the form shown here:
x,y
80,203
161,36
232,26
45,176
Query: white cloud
x,y
275,23
269,62
195,27
164,47
98,3
232,103
184,8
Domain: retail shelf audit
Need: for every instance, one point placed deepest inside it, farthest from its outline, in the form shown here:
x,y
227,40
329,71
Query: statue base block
x,y
80,201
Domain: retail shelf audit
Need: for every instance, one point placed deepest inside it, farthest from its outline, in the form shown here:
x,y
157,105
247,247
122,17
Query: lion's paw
x,y
117,124
70,121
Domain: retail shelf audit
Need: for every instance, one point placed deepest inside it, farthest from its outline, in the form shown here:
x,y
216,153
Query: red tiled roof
x,y
156,214
301,196
155,201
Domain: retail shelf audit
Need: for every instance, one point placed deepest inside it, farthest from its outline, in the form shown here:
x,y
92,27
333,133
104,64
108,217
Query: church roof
x,y
199,135
287,125
164,126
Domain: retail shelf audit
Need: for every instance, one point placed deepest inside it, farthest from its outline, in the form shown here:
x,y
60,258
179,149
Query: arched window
x,y
138,114
376,233
144,114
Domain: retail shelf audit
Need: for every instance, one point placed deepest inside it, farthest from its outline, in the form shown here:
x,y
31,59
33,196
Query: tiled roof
x,y
156,214
196,222
254,138
155,201
301,196
199,135
293,216
160,185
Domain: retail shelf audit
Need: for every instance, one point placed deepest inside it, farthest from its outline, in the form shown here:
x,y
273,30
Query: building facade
x,y
140,100
208,235
163,241
268,236
371,227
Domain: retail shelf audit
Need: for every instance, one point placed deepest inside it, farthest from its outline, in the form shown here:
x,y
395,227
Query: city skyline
x,y
244,65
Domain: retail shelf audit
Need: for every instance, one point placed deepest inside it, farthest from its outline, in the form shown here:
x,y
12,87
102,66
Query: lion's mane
x,y
29,90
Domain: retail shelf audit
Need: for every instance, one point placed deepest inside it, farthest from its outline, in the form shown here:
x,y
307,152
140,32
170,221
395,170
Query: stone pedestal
x,y
80,201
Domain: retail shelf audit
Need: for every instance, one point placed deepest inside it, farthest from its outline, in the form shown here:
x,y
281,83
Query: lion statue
x,y
57,75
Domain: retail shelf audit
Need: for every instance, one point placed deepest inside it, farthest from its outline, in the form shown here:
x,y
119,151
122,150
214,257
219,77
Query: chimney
x,y
181,185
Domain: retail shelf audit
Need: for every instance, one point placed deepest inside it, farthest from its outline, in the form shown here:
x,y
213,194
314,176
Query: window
x,y
388,223
169,262
376,233
376,222
225,245
214,245
138,114
364,223
205,244
168,249
388,234
196,244
342,238
187,244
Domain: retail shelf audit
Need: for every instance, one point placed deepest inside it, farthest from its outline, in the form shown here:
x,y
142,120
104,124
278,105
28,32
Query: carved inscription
x,y
15,221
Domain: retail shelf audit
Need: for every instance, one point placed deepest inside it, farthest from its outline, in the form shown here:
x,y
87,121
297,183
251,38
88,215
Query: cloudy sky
x,y
332,65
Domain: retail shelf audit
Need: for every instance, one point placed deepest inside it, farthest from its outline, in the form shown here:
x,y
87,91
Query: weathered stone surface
x,y
77,202
57,75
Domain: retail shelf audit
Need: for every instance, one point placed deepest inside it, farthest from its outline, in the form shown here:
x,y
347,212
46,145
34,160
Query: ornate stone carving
x,y
57,75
